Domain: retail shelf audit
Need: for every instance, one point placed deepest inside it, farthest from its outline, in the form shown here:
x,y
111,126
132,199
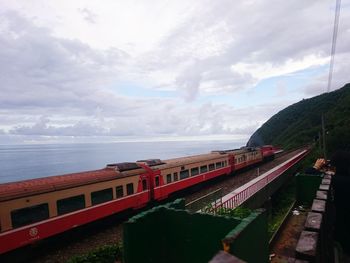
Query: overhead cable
x,y
334,42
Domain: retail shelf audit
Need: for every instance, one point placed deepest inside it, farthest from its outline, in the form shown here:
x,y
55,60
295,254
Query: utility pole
x,y
319,141
324,138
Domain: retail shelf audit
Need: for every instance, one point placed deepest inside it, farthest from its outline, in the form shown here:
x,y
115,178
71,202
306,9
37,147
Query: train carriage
x,y
36,209
181,173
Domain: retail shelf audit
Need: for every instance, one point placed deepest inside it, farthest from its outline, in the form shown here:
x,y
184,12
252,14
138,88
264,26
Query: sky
x,y
103,71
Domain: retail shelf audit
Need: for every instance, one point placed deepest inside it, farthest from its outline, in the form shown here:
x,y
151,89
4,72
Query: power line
x,y
334,42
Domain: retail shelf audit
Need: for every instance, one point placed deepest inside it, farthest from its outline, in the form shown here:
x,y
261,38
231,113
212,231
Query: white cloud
x,y
261,71
341,77
66,66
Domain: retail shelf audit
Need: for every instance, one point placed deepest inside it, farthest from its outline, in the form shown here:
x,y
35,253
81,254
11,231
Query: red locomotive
x,y
35,209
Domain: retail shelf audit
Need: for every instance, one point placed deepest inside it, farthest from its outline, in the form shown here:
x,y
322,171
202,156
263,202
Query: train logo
x,y
33,232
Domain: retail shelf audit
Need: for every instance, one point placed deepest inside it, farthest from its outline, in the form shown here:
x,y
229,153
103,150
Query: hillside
x,y
300,123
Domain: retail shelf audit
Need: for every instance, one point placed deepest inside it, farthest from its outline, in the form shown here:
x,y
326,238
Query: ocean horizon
x,y
28,161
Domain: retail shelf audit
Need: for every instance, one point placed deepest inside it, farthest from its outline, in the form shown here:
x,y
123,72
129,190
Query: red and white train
x,y
35,209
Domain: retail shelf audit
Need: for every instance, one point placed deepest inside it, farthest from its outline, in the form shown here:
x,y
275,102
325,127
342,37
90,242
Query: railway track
x,y
109,231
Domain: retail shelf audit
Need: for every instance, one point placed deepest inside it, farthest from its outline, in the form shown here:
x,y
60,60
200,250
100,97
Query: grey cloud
x,y
88,15
44,129
208,119
252,32
189,80
69,83
39,70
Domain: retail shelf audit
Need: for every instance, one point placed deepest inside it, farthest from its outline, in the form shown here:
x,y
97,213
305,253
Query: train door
x,y
147,181
146,185
151,186
231,162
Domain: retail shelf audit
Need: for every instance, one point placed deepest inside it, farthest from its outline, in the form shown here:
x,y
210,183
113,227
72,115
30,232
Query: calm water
x,y
19,162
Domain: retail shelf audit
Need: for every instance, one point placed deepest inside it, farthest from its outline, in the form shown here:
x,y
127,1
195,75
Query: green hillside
x,y
300,123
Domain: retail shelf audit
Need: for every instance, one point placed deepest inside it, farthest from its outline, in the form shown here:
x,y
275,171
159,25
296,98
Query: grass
x,y
281,203
239,212
103,254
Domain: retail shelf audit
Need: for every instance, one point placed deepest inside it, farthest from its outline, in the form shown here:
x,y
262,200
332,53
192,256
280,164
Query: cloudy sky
x,y
93,71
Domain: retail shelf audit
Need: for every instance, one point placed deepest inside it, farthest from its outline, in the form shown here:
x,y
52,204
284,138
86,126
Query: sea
x,y
22,162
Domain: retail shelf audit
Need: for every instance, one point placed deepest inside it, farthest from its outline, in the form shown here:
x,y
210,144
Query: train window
x,y
101,196
204,169
130,189
211,167
29,215
194,171
120,192
70,204
175,176
144,185
225,163
168,178
184,174
218,165
157,180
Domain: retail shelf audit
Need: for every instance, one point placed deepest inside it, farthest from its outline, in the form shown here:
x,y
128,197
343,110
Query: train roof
x,y
188,160
201,157
112,171
58,182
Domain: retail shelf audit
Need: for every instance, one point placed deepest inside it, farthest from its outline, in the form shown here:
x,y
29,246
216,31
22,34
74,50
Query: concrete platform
x,y
318,206
321,195
324,187
313,221
307,245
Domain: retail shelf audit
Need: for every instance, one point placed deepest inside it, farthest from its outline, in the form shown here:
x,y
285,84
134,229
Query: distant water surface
x,y
20,162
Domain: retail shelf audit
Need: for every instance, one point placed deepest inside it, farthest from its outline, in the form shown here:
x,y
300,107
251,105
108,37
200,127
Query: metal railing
x,y
241,194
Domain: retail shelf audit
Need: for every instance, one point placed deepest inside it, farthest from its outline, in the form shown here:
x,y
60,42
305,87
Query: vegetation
x,y
104,254
281,203
310,159
300,123
239,212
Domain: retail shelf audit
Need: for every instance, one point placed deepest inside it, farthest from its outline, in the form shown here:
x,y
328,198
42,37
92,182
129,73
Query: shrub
x,y
104,254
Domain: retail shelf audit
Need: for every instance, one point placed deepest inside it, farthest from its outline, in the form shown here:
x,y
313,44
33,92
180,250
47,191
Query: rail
x,y
243,193
200,203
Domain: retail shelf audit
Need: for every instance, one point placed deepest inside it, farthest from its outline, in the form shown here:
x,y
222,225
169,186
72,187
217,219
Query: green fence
x,y
249,240
170,234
